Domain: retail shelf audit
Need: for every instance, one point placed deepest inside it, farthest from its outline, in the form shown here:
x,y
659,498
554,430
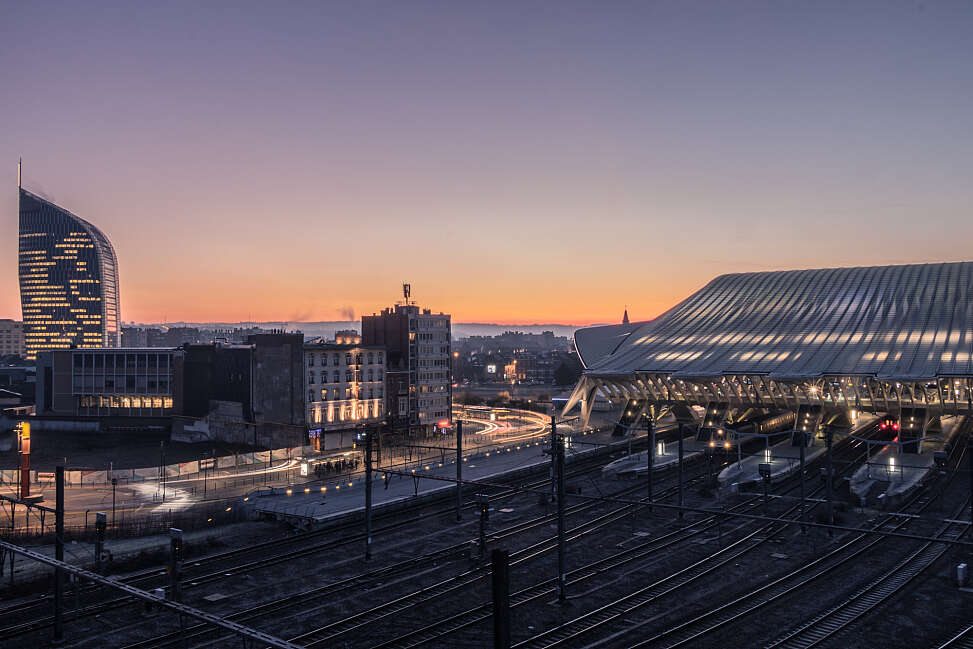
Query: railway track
x,y
287,603
149,578
722,617
625,608
962,640
835,620
544,589
253,557
435,632
330,633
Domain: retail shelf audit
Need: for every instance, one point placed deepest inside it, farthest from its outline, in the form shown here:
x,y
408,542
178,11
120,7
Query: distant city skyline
x,y
312,328
547,162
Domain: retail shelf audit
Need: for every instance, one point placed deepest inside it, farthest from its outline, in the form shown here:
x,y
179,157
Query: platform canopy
x,y
878,339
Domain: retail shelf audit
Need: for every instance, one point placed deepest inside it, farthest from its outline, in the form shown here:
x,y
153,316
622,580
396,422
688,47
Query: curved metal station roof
x,y
907,323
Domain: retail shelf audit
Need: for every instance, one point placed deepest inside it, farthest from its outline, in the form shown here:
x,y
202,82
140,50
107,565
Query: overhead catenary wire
x,y
709,512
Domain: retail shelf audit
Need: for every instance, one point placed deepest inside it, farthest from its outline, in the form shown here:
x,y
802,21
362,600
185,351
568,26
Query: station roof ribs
x,y
910,322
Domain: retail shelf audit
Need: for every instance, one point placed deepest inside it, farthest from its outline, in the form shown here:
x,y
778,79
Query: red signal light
x,y
884,425
895,426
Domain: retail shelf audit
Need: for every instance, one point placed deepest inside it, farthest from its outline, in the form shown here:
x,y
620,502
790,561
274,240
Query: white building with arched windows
x,y
345,389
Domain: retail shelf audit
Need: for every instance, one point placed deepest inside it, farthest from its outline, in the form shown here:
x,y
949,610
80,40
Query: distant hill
x,y
327,329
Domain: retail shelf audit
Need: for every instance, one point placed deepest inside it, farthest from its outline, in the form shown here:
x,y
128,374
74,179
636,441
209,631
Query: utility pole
x,y
802,440
368,494
680,472
650,435
969,455
501,599
553,448
561,596
114,483
162,468
829,437
459,470
59,554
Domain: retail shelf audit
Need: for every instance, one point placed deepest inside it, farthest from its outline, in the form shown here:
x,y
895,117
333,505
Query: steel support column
x,y
680,471
59,554
501,599
561,578
368,494
459,470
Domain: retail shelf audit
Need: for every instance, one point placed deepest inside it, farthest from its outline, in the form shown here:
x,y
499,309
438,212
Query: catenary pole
x,y
829,439
501,599
459,470
802,439
680,472
59,554
368,494
553,450
561,578
650,435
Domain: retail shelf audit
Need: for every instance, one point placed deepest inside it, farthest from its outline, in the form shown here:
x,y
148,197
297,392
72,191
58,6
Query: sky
x,y
517,162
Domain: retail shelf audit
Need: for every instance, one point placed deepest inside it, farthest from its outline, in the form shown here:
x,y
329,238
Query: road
x,y
486,428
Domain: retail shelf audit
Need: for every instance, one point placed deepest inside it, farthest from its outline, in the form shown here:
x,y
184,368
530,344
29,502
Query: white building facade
x,y
345,386
431,362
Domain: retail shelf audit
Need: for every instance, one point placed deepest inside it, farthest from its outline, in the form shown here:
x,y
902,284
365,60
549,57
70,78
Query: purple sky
x,y
516,162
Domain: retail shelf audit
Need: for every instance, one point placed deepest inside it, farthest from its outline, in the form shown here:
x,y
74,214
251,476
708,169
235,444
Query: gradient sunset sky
x,y
517,162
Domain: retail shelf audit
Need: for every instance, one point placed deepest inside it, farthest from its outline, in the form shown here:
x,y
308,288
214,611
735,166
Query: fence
x,y
144,474
125,523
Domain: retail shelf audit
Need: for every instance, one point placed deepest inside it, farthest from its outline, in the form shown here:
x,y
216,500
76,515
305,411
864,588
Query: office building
x,y
12,338
68,279
118,383
242,393
418,385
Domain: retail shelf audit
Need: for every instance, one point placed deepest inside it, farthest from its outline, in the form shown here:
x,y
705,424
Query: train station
x,y
838,348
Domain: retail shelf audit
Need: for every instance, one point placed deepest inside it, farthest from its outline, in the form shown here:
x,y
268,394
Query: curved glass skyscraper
x,y
68,279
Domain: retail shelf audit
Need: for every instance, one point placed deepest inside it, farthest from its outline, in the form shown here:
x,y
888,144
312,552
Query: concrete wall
x,y
278,378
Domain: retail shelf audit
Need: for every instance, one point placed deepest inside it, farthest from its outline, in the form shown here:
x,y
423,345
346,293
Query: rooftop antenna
x,y
20,164
406,292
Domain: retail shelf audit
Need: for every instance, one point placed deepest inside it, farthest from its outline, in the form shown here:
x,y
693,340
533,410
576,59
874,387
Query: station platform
x,y
784,460
666,455
889,475
316,503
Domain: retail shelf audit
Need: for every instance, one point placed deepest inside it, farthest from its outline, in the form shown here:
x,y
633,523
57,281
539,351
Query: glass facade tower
x,y
68,280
